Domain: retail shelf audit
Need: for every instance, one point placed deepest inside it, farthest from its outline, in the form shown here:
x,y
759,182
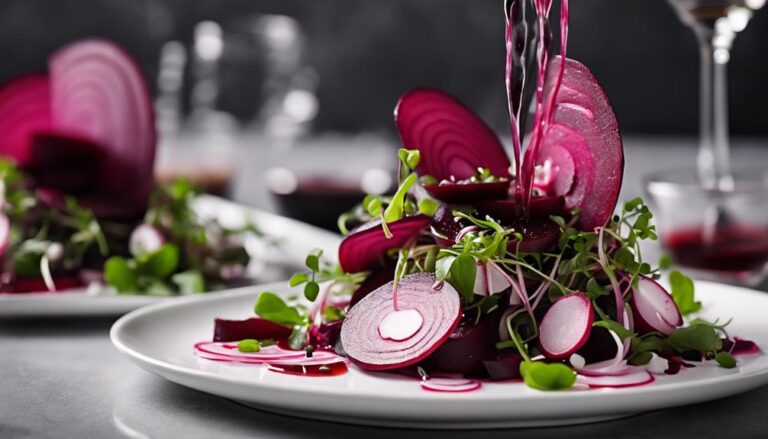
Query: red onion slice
x,y
99,92
566,326
637,377
439,307
25,108
364,248
452,140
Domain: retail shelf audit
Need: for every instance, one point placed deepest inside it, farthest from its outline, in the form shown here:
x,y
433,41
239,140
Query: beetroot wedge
x,y
539,235
253,328
507,210
444,226
439,310
468,193
98,92
566,326
364,248
25,108
452,140
584,137
65,162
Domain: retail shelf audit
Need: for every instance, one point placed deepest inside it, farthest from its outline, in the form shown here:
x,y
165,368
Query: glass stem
x,y
714,162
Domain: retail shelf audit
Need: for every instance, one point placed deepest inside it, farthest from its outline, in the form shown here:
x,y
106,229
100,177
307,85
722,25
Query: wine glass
x,y
715,24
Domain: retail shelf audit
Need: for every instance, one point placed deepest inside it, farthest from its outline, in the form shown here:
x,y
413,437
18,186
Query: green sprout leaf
x,y
428,207
543,376
189,282
725,360
311,290
394,211
271,307
121,275
683,293
462,275
696,337
313,259
249,345
298,279
160,263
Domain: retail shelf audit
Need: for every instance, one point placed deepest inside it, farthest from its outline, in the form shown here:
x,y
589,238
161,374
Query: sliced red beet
x,y
68,163
452,140
653,308
566,326
465,349
440,311
253,328
506,211
325,336
583,137
37,285
98,92
538,235
445,228
504,365
739,346
25,108
599,347
364,248
468,193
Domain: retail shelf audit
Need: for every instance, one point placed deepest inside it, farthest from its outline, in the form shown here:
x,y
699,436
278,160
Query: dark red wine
x,y
319,200
734,248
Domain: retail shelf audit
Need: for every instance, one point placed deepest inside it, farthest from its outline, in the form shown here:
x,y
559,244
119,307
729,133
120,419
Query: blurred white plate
x,y
160,339
289,243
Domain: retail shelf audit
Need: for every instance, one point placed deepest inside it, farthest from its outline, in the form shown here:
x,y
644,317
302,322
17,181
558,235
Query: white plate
x,y
290,238
160,339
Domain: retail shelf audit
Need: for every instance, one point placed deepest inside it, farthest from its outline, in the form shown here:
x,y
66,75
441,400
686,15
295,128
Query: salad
x,y
484,266
78,201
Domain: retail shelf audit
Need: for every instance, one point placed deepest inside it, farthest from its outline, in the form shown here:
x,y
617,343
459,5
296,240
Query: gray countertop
x,y
61,378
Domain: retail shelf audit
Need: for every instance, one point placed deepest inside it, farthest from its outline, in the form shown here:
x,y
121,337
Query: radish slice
x,y
658,365
229,351
468,193
25,108
566,326
145,239
497,281
653,308
452,140
440,308
507,210
400,325
635,378
98,91
364,248
451,385
253,328
481,280
583,136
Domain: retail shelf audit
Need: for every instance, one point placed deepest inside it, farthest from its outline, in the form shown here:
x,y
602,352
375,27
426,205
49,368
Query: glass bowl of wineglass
x,y
714,234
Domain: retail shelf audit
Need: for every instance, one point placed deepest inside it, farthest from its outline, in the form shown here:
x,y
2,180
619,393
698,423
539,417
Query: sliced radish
x,y
400,325
450,385
364,248
253,328
145,239
653,308
481,280
229,351
98,91
498,281
468,193
658,365
507,211
452,140
583,136
439,306
566,326
25,108
637,377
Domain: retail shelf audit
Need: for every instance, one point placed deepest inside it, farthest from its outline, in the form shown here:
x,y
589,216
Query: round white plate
x,y
160,338
288,245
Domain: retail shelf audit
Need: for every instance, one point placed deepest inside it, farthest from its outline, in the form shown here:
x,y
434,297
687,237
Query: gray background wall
x,y
368,52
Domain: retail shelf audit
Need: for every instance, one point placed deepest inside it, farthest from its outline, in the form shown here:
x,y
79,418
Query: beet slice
x,y
372,282
253,328
538,235
364,248
440,309
98,92
566,326
66,162
23,285
583,136
468,193
465,349
653,308
445,228
504,365
452,140
506,211
25,108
